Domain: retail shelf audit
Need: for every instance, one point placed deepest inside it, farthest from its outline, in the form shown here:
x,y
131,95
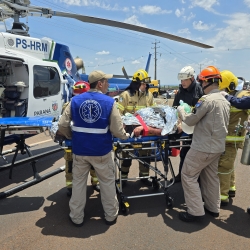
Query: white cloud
x,y
134,20
205,4
153,10
120,59
102,52
95,3
179,13
236,35
247,2
135,62
182,1
188,18
184,31
202,26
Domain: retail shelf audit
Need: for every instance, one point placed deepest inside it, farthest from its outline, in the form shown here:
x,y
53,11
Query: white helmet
x,y
186,73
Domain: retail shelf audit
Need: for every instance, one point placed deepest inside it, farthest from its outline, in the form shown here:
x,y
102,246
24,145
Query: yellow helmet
x,y
229,81
142,76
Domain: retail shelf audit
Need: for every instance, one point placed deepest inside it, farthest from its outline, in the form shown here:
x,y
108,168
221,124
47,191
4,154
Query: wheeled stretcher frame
x,y
160,147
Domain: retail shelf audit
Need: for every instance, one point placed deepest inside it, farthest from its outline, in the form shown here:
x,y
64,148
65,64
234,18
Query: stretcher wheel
x,y
155,184
124,206
169,201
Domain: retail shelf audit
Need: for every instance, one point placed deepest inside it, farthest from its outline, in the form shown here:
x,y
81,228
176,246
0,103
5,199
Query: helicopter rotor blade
x,y
27,9
107,22
125,72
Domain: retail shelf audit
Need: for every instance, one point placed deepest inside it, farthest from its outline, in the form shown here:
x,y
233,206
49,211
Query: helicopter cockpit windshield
x,y
46,81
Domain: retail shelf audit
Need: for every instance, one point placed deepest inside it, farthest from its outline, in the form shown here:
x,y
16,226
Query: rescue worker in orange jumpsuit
x,y
234,139
78,88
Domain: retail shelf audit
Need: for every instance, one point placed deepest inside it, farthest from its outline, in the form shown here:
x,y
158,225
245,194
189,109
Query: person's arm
x,y
152,131
121,104
64,123
191,119
116,124
239,103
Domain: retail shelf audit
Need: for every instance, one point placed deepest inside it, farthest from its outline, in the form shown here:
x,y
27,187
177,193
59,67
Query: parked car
x,y
169,94
166,96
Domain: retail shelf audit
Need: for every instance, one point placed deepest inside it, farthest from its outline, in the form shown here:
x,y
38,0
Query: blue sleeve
x,y
239,103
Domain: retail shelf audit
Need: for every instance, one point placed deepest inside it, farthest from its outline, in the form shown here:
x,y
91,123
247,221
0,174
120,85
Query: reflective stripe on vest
x,y
90,130
234,110
119,106
224,197
235,138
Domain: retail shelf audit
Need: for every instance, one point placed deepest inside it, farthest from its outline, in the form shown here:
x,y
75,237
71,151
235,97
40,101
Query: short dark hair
x,y
94,84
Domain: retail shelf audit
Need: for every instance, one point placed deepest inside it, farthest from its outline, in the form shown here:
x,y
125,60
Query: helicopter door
x,y
45,98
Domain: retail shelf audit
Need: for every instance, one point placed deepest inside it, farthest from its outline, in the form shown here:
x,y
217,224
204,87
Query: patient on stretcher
x,y
158,120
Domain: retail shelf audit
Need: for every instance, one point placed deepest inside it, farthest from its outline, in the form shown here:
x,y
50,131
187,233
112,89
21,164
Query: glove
x,y
224,93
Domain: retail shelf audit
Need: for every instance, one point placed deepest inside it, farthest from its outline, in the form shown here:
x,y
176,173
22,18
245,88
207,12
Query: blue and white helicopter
x,y
36,75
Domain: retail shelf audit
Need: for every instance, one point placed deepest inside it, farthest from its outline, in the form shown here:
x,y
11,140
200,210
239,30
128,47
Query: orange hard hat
x,y
210,72
80,87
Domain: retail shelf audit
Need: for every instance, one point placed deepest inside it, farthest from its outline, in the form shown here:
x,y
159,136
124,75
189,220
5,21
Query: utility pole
x,y
155,56
200,66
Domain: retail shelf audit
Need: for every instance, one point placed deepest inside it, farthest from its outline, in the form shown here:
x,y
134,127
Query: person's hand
x,y
137,131
224,93
180,111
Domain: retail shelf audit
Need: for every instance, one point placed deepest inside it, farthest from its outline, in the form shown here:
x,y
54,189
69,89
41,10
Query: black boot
x,y
146,181
185,216
231,193
96,187
69,192
248,210
211,213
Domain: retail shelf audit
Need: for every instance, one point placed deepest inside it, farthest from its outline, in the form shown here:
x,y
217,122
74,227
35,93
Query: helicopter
x,y
37,75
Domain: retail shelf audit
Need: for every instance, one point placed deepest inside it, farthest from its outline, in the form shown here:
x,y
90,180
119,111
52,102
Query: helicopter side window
x,y
46,81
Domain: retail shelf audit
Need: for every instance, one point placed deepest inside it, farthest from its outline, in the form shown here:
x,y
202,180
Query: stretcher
x,y
161,151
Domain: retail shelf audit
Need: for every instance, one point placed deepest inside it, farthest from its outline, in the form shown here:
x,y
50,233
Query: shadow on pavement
x,y
237,222
56,222
22,172
18,204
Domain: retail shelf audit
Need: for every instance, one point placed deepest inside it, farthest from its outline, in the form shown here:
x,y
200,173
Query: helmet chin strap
x,y
210,83
203,88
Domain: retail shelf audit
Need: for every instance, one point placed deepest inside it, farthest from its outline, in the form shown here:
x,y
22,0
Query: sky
x,y
223,24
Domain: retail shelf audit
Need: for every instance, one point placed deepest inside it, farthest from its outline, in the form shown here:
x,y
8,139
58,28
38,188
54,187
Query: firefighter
x,y
135,97
210,117
78,88
234,139
189,92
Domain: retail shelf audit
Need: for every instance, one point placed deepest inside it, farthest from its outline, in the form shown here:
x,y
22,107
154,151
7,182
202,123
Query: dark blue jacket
x,y
239,103
191,95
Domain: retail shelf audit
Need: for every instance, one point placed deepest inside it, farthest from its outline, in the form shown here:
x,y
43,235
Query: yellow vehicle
x,y
154,87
